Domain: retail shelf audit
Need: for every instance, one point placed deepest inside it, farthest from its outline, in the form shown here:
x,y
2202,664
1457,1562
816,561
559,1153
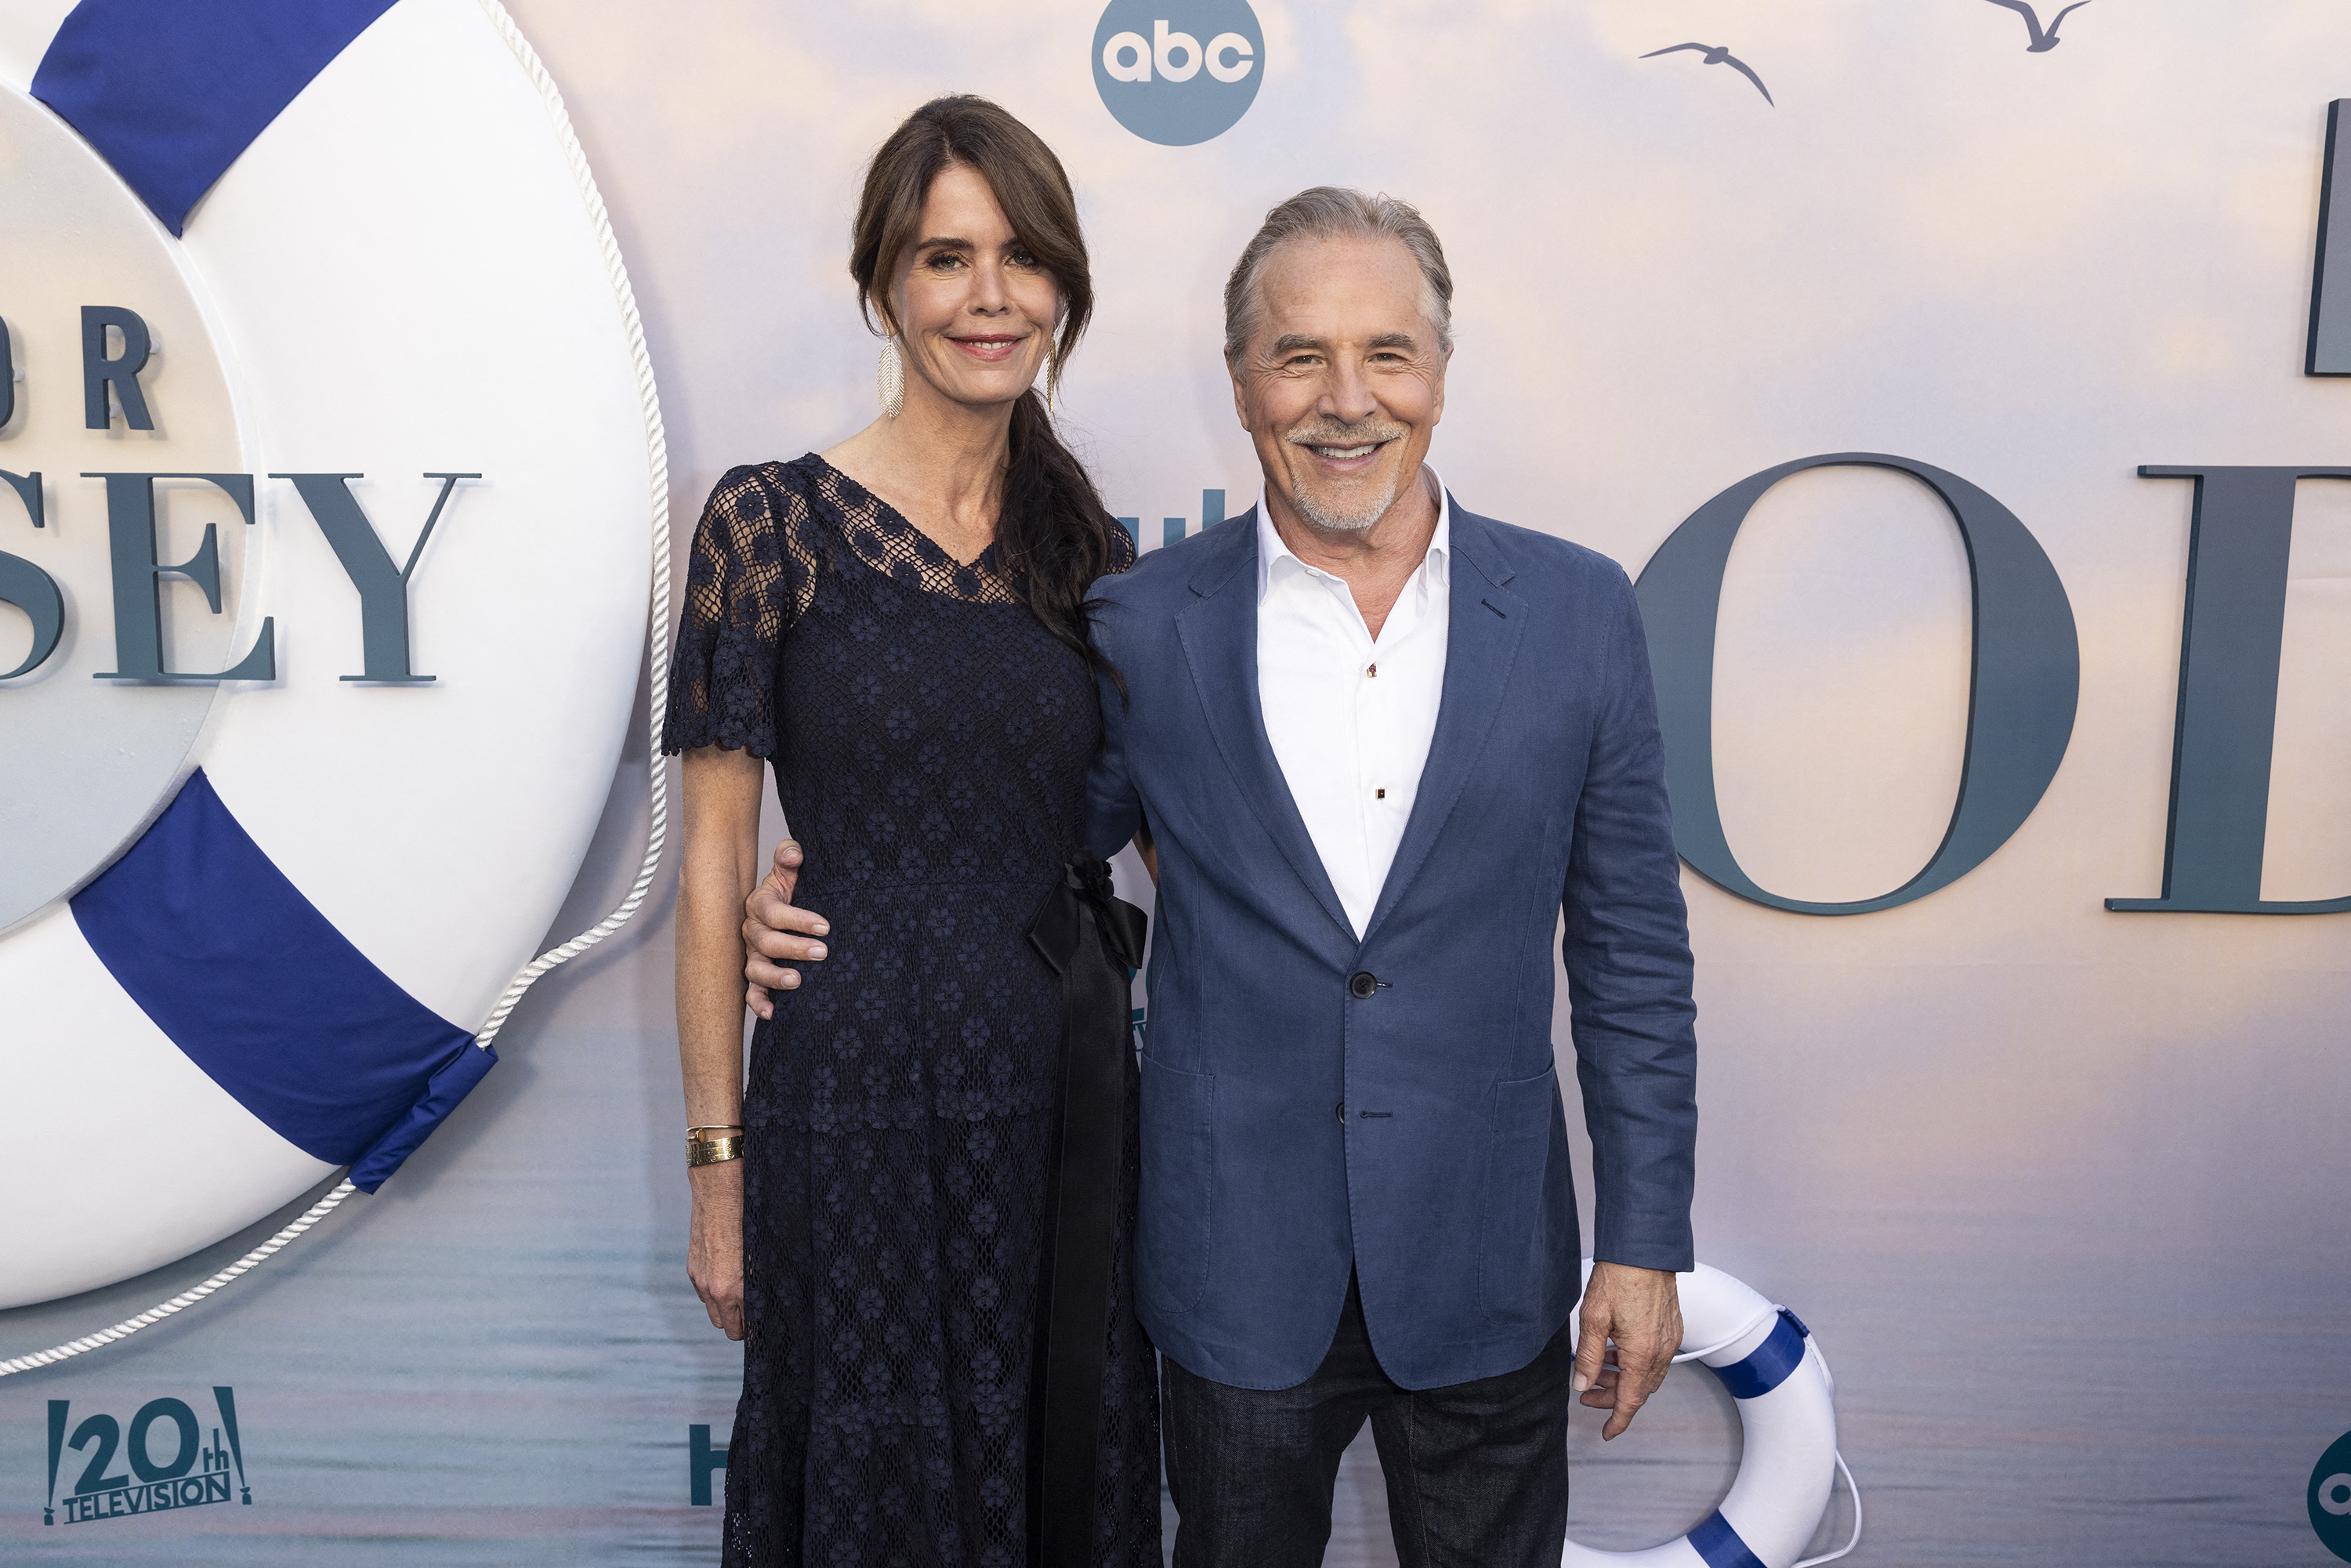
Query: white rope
x,y
1747,1328
1851,1541
657,460
657,771
156,1314
1851,1489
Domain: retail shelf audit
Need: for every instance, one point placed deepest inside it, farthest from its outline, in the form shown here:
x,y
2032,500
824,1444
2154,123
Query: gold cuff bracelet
x,y
713,1150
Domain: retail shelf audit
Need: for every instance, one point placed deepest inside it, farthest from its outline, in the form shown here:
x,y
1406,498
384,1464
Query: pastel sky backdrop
x,y
2038,271
2061,1190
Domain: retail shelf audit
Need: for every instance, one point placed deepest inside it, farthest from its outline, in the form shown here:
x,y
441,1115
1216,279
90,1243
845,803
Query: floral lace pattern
x,y
930,740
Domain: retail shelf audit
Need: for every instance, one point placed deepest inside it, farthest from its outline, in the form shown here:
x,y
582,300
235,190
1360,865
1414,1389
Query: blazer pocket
x,y
1514,1232
1171,1241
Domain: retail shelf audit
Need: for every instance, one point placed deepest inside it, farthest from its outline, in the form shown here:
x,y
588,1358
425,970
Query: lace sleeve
x,y
1122,548
740,596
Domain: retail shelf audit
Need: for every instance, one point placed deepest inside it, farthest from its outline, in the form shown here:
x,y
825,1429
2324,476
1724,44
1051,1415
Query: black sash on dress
x,y
1093,940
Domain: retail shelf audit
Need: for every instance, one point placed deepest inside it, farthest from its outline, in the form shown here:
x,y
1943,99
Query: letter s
x,y
34,592
27,586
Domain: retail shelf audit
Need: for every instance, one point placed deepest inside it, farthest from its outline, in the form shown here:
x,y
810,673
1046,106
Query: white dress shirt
x,y
1350,718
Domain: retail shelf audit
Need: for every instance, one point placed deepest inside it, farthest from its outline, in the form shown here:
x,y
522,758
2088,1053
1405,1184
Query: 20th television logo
x,y
149,1485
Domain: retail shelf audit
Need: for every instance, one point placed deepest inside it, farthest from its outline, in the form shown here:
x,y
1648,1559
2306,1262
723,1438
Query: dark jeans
x,y
1476,1473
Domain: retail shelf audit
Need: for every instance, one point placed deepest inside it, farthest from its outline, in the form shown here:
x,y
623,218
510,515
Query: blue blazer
x,y
1314,1102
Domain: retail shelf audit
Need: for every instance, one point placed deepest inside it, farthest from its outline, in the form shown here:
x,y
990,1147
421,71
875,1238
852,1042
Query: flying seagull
x,y
1721,55
2044,40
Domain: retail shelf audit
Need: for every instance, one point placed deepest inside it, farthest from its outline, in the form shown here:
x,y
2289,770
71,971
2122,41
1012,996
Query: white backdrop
x,y
2060,1190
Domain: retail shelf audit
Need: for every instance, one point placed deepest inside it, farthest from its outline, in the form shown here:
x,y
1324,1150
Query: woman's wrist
x,y
712,1145
722,1180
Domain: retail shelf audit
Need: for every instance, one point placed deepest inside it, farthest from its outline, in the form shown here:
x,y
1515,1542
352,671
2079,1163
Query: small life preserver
x,y
258,897
1787,1410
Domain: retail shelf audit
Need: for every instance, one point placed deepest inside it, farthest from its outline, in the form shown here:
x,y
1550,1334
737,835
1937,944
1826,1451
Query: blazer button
x,y
1363,984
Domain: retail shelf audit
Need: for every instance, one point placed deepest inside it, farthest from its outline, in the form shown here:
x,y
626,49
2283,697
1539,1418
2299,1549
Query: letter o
x,y
1222,45
2025,678
2327,1498
136,1440
1138,71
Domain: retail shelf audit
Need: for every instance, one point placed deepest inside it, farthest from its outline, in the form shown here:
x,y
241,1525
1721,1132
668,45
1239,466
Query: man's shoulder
x,y
1163,579
1549,561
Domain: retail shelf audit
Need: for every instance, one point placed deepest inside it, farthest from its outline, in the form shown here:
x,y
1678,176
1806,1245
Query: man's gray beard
x,y
1353,521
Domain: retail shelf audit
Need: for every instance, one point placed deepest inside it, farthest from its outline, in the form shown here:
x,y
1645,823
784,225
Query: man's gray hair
x,y
1332,212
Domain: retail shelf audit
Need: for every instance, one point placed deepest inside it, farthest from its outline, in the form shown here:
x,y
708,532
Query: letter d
x,y
1164,47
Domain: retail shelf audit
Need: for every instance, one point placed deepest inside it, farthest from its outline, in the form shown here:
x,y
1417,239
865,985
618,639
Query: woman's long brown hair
x,y
1051,523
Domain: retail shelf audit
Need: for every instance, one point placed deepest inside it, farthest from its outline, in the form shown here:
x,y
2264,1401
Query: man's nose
x,y
1347,395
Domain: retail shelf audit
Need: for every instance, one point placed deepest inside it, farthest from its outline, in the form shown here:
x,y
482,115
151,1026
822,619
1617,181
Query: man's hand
x,y
776,932
1641,1310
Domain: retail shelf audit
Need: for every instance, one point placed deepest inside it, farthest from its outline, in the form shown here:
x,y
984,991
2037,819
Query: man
x,y
1375,746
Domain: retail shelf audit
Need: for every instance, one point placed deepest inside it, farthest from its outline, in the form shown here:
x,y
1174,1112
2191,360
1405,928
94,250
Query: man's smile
x,y
1340,458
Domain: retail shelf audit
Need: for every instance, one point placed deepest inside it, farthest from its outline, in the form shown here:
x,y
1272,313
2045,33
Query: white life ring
x,y
404,272
1787,1409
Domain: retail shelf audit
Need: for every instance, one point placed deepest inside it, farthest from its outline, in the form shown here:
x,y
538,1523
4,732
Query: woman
x,y
898,623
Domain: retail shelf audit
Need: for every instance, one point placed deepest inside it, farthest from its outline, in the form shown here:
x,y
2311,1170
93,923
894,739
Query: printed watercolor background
x,y
2059,1191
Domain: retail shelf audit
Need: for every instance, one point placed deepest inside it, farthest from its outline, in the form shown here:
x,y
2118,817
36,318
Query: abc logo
x,y
1178,72
2330,1498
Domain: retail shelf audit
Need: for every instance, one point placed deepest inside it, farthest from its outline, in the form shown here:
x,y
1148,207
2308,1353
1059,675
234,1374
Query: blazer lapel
x,y
1485,622
1219,632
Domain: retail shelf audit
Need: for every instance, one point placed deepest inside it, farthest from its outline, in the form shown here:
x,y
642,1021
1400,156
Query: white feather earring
x,y
890,380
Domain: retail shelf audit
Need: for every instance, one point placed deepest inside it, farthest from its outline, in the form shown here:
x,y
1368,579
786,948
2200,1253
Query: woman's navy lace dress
x,y
930,741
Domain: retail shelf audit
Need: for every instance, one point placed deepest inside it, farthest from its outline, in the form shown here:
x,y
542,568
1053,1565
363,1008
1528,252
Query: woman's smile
x,y
989,348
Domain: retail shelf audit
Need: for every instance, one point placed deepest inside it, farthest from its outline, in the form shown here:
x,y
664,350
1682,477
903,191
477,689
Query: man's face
x,y
1342,383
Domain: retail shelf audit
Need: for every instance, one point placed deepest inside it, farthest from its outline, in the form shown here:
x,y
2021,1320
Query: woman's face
x,y
977,311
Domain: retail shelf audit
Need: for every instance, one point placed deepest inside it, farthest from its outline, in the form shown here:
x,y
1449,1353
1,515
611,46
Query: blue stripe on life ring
x,y
170,91
1768,1366
244,975
1715,1541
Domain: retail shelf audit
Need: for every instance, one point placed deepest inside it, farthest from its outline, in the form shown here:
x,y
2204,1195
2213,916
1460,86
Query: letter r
x,y
98,373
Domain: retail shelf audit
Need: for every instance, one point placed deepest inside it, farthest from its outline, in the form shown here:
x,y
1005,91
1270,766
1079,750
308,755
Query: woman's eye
x,y
1021,258
946,261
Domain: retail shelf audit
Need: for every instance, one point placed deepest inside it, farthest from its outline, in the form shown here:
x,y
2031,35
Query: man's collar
x,y
1270,547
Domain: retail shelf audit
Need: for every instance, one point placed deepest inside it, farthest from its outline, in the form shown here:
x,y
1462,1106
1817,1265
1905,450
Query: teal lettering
x,y
138,581
383,587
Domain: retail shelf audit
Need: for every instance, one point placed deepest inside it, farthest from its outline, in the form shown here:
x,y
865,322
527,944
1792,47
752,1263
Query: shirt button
x,y
1362,984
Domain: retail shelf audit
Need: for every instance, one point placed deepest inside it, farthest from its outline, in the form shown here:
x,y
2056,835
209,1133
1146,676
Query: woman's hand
x,y
714,1250
776,931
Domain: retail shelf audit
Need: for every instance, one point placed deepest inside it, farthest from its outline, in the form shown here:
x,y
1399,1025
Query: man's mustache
x,y
1368,434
